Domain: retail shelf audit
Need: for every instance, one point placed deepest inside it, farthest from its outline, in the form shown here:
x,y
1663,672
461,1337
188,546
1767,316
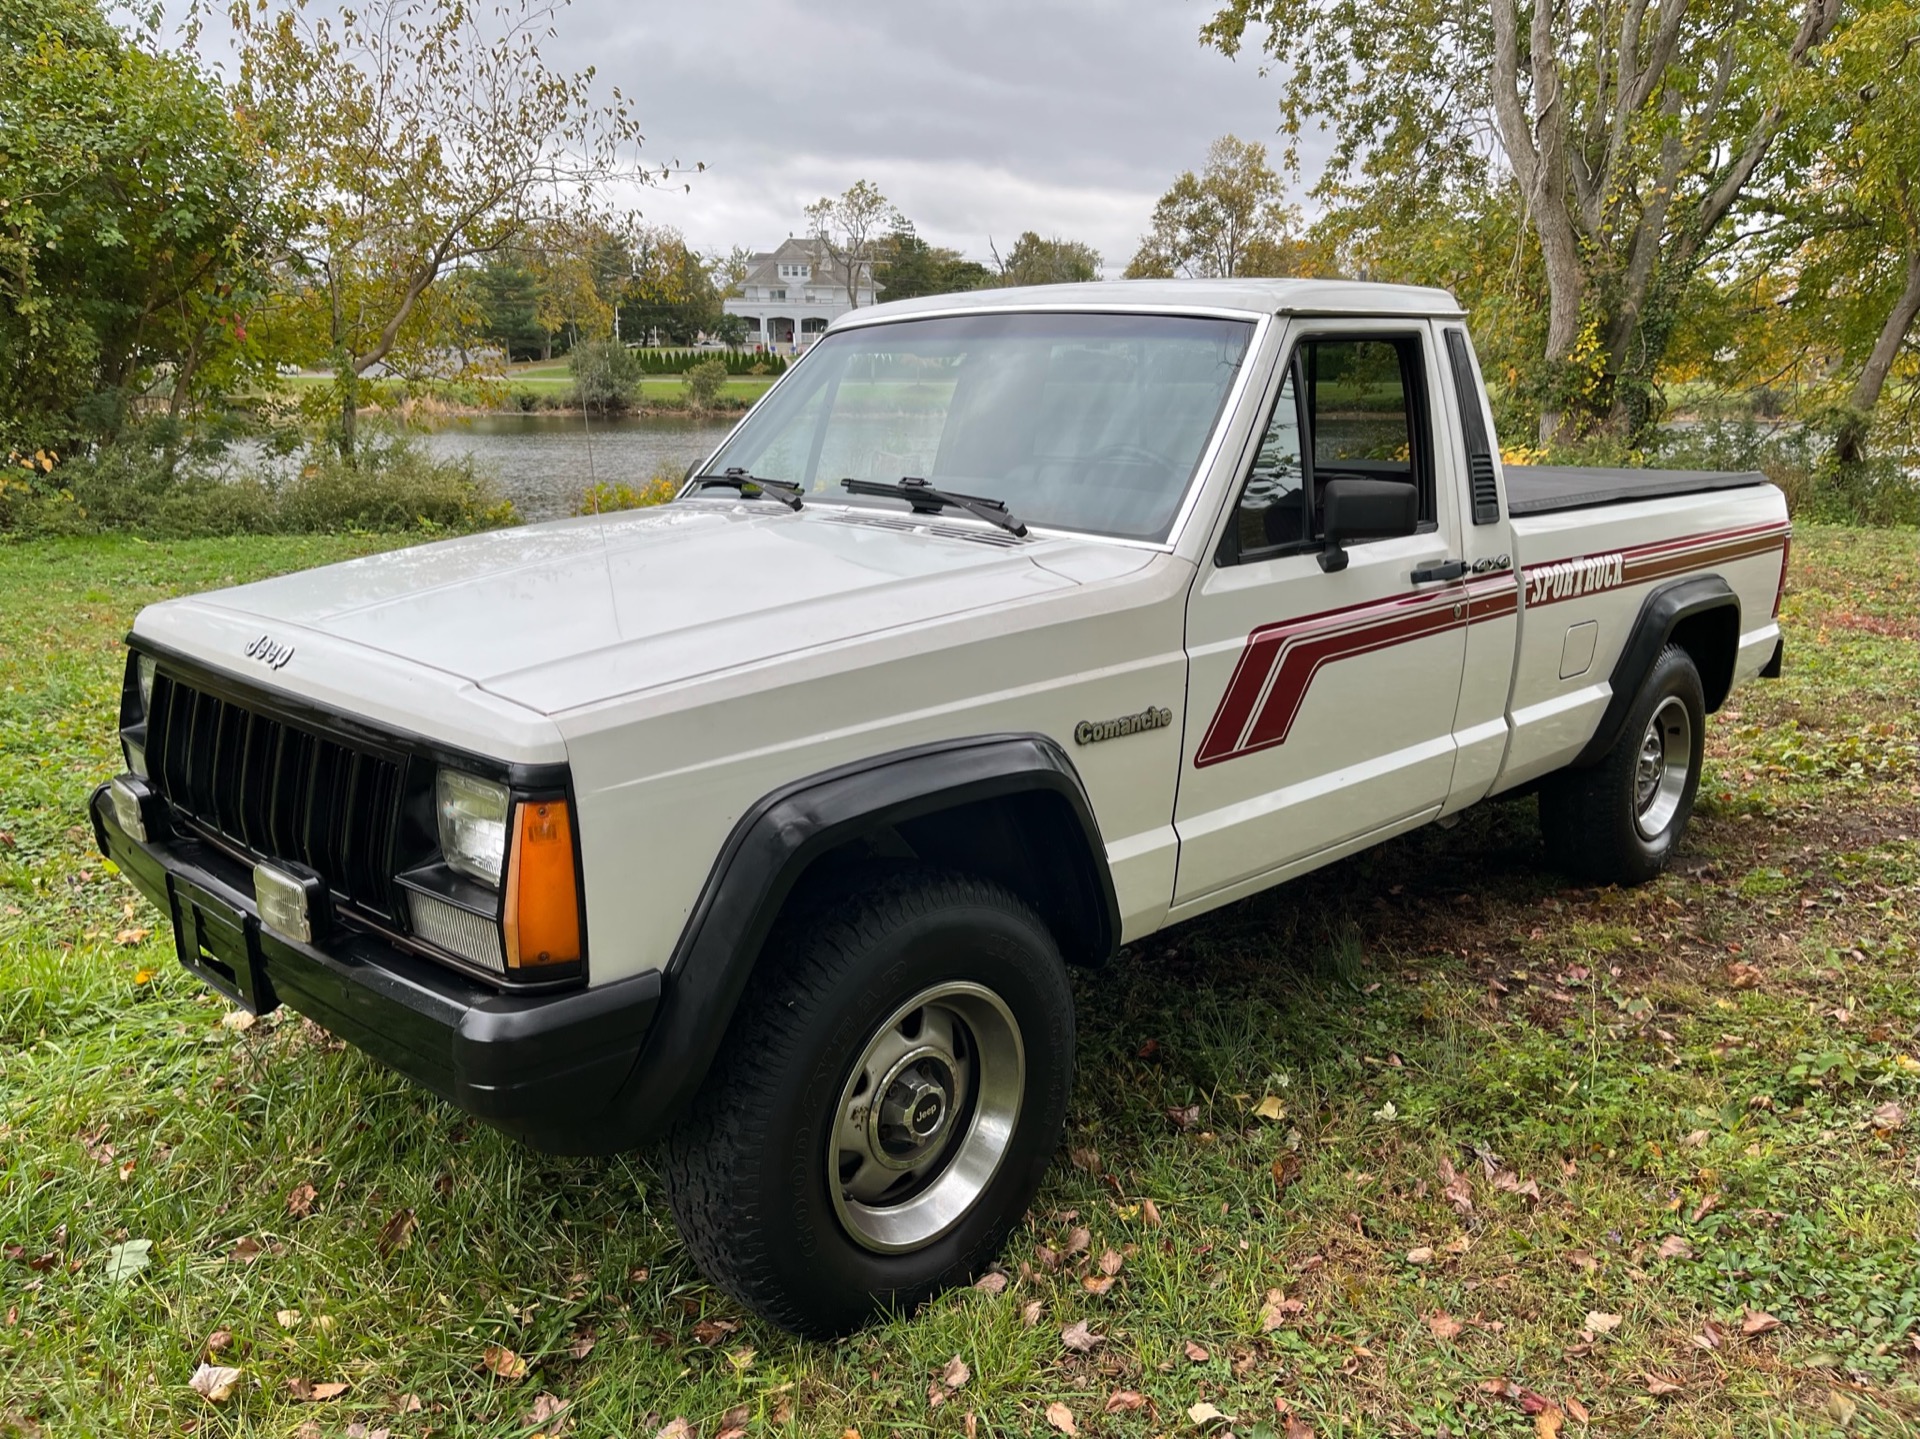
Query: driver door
x,y
1321,703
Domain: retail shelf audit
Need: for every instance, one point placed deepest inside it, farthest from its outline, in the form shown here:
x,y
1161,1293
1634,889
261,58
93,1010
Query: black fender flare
x,y
771,846
1661,613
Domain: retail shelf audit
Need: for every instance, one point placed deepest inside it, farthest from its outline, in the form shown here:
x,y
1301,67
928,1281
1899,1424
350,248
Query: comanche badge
x,y
1093,731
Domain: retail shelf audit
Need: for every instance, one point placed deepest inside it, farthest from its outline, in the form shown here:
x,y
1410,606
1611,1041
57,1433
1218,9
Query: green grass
x,y
1700,1061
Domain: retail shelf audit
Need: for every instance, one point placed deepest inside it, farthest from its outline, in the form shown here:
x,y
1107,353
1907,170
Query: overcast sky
x,y
979,120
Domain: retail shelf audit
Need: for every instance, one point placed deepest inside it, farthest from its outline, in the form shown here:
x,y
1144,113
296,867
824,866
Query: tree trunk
x,y
1850,442
347,380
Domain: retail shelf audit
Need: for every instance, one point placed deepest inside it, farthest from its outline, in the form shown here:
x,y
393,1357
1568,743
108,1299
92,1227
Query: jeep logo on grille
x,y
270,652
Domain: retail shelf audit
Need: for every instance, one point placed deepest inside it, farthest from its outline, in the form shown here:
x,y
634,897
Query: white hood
x,y
555,616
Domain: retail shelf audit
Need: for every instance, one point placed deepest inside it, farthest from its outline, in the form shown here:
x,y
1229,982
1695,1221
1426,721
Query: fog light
x,y
287,901
126,810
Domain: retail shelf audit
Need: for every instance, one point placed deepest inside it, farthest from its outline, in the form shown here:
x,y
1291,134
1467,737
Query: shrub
x,y
605,374
598,499
705,381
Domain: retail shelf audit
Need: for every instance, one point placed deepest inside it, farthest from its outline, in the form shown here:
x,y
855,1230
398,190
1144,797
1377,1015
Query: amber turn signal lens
x,y
543,893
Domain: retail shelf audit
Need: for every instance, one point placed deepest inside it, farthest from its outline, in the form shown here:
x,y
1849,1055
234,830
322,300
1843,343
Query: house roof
x,y
794,250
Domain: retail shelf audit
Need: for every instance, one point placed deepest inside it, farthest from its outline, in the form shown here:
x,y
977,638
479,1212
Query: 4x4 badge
x,y
1093,731
270,652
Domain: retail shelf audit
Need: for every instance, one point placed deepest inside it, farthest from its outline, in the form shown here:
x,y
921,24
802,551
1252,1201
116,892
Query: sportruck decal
x,y
1279,663
1558,580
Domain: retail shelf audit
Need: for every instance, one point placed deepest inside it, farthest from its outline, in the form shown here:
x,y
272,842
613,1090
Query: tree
x,y
1034,261
415,142
1230,219
847,228
1851,212
134,218
907,266
507,294
1631,130
669,291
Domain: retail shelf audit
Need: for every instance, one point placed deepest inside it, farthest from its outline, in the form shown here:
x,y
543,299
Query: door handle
x,y
1445,570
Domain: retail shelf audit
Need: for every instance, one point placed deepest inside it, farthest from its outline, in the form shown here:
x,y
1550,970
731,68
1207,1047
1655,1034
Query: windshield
x,y
1075,421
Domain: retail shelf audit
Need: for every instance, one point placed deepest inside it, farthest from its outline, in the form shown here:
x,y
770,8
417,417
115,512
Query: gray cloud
x,y
978,120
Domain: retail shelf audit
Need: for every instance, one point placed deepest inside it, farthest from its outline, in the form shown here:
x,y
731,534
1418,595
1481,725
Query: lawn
x,y
1428,1143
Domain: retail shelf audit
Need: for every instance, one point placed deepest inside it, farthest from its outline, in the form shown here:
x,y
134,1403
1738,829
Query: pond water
x,y
543,462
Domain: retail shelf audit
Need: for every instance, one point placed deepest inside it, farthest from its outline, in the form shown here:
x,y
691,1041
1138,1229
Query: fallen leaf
x,y
1697,1140
238,1020
1420,1255
1840,1409
1548,1423
1661,1387
1097,1284
127,1259
1443,1325
504,1363
132,936
397,1232
1298,1428
1674,1247
1577,1411
214,1382
546,1408
992,1283
219,1340
1270,1108
1278,1310
1196,1352
1030,1315
1742,975
1184,1118
1286,1170
956,1374
678,1428
1061,1418
1087,1160
1079,1241
1888,1117
1203,1414
1598,1323
1710,1337
582,1345
711,1331
1077,1336
246,1249
1457,1188
733,1423
1125,1401
300,1201
1150,1213
1758,1321
1111,1261
287,1318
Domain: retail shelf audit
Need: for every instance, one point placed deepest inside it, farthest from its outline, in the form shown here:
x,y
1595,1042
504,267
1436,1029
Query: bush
x,y
704,383
130,488
599,499
605,374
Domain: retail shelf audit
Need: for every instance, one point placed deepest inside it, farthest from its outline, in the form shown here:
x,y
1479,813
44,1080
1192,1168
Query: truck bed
x,y
1545,489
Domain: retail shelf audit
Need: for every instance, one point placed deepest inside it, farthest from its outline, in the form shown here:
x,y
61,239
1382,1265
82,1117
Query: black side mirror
x,y
1354,509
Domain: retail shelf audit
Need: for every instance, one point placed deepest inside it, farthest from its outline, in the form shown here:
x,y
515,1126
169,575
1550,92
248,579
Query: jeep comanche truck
x,y
1007,629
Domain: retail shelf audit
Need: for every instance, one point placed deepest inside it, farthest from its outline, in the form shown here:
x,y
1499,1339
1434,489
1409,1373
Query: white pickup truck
x,y
1009,628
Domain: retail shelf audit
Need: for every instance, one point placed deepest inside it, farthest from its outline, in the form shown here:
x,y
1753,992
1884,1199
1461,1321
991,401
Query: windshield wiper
x,y
926,500
787,493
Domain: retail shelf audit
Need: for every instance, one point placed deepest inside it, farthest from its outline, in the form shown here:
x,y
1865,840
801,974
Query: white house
x,y
792,293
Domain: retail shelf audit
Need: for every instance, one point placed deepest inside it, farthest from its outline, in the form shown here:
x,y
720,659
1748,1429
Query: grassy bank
x,y
1425,1143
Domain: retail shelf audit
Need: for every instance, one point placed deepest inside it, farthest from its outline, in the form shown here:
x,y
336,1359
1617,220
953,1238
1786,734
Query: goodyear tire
x,y
888,1097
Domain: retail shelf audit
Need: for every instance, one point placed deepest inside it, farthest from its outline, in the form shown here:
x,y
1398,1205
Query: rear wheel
x,y
884,1107
1618,821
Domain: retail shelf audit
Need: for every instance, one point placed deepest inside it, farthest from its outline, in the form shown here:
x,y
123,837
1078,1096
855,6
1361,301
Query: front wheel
x,y
884,1106
1619,820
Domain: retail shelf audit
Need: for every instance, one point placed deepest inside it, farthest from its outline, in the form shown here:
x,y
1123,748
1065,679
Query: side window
x,y
1273,506
1352,406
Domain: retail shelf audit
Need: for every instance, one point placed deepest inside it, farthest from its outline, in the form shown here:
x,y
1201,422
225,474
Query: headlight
x,y
473,825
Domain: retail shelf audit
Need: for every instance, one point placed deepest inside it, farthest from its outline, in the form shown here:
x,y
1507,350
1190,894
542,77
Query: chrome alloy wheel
x,y
1660,773
925,1117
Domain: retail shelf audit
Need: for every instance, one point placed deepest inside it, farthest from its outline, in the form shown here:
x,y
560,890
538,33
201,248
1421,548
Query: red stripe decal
x,y
1278,664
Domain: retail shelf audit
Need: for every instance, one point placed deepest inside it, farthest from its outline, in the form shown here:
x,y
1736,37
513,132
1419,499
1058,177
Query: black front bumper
x,y
560,1071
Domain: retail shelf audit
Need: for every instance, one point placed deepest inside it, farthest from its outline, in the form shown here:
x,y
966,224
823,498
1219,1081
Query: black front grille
x,y
276,791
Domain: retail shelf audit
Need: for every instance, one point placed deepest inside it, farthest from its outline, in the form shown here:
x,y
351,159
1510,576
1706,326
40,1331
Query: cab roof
x,y
1250,297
